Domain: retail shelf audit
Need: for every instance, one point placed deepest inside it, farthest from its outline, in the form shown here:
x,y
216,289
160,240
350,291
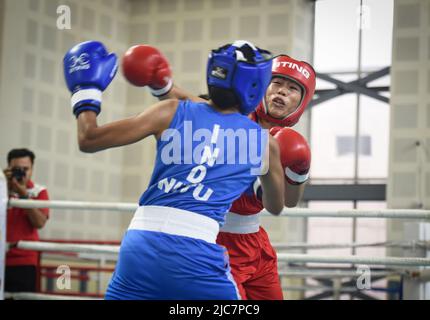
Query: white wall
x,y
35,108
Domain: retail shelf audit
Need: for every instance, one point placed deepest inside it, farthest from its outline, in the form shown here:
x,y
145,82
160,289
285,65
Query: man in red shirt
x,y
22,224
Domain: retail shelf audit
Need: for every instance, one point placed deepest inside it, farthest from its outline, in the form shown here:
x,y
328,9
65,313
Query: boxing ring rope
x,y
338,290
80,205
321,288
413,245
67,247
392,261
295,212
94,249
285,257
388,244
41,296
303,273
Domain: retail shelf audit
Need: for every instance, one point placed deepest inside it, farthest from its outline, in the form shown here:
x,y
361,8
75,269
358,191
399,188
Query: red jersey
x,y
18,227
247,203
252,258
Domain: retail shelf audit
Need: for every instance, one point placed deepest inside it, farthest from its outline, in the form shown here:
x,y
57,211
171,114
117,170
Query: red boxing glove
x,y
143,65
295,154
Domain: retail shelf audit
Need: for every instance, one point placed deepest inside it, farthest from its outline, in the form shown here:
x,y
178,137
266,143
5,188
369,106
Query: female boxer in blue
x,y
207,155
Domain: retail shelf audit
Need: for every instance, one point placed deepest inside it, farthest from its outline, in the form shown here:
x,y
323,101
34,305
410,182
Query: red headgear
x,y
300,72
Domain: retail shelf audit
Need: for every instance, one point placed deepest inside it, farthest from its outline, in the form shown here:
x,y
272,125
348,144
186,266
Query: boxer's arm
x,y
293,194
180,94
152,121
272,182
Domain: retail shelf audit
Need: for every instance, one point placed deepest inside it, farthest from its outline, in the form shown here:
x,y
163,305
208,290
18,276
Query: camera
x,y
18,174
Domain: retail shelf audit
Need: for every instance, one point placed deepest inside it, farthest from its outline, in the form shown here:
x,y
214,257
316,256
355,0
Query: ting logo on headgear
x,y
293,66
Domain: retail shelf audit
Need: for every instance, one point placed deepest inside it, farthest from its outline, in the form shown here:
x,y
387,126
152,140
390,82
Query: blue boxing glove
x,y
88,70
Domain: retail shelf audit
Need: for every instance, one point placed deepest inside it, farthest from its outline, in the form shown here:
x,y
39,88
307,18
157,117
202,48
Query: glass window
x,y
333,122
345,145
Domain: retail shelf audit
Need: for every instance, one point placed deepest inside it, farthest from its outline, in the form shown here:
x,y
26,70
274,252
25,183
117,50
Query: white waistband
x,y
175,221
236,223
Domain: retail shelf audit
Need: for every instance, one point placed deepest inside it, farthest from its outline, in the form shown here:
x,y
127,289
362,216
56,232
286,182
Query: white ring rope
x,y
387,244
356,213
323,288
394,261
305,273
113,250
296,212
41,296
67,247
82,205
285,257
278,246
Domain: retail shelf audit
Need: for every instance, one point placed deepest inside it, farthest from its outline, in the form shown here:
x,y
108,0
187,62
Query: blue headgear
x,y
243,69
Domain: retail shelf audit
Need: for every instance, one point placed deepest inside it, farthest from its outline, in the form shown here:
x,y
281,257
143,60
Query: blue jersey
x,y
205,160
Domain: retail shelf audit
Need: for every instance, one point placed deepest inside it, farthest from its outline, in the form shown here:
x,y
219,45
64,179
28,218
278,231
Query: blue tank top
x,y
205,160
